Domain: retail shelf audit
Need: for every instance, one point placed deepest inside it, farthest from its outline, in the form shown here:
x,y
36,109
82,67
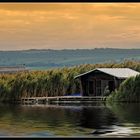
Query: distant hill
x,y
44,59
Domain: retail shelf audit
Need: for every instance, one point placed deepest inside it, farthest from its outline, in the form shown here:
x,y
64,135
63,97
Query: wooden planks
x,y
62,99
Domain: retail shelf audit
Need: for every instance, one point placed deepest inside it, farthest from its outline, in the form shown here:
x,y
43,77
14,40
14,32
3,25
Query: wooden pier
x,y
62,99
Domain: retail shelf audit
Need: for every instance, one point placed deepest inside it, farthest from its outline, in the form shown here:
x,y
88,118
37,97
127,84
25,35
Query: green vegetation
x,y
129,91
53,82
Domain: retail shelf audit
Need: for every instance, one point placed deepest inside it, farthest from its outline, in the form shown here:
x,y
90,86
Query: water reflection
x,y
97,117
70,120
128,115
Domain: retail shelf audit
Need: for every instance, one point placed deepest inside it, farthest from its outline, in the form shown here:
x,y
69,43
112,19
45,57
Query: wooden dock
x,y
62,99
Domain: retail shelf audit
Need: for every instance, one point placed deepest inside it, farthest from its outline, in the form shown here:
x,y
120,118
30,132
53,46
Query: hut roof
x,y
121,73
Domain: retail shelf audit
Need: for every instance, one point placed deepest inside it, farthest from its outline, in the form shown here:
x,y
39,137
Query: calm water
x,y
65,120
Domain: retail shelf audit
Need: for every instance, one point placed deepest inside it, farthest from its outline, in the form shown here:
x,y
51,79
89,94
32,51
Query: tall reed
x,y
53,82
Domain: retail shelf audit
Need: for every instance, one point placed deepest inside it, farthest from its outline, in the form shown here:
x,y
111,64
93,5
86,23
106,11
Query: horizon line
x,y
68,49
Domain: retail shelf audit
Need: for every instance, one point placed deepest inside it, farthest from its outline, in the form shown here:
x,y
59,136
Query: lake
x,y
93,120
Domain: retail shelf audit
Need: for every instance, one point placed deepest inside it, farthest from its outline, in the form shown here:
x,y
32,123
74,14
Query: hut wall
x,y
96,83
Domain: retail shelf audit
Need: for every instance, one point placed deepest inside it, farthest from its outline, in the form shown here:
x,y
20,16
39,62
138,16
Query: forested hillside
x,y
44,59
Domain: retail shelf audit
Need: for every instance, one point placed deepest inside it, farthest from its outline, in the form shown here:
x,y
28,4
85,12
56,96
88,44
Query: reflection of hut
x,y
95,82
12,69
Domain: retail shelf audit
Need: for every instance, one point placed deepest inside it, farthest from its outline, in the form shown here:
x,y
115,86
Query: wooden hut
x,y
99,81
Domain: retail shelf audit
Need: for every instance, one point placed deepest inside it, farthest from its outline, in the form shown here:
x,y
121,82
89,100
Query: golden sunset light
x,y
69,25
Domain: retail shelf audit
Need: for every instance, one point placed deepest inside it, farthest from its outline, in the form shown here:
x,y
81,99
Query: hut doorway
x,y
111,86
98,87
91,91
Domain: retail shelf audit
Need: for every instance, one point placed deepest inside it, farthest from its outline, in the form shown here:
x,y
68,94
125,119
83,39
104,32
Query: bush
x,y
129,91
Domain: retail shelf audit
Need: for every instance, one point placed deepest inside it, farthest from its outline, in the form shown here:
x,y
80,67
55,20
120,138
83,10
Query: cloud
x,y
69,25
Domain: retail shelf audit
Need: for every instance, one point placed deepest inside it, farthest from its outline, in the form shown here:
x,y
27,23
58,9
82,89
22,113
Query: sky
x,y
69,25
